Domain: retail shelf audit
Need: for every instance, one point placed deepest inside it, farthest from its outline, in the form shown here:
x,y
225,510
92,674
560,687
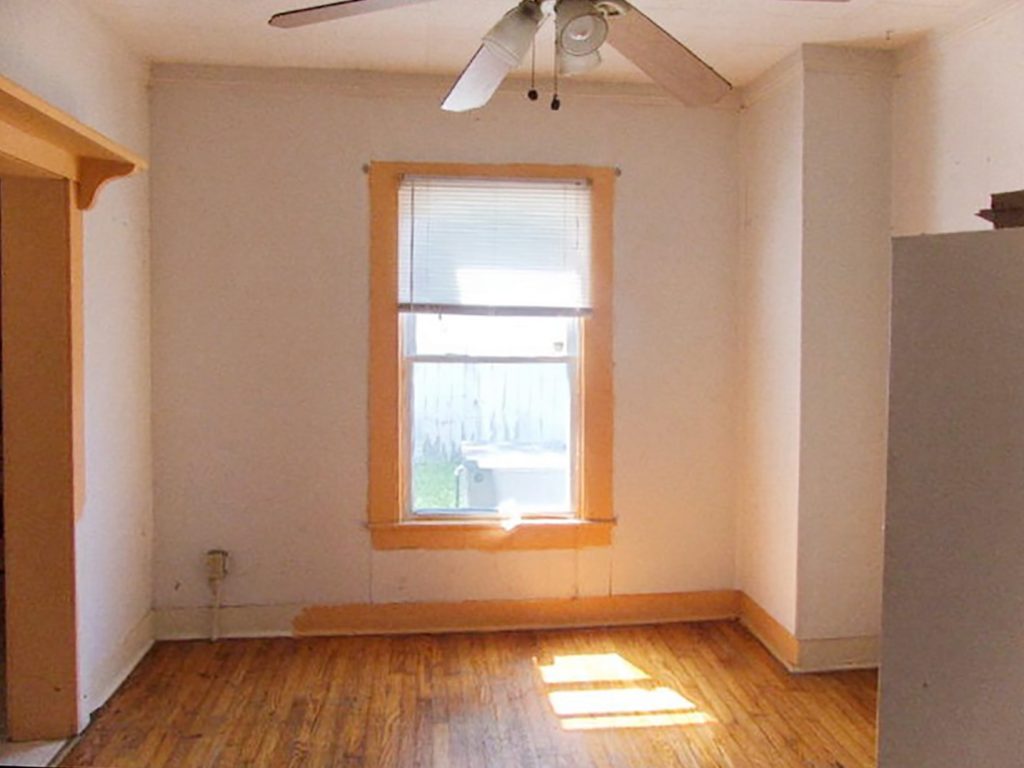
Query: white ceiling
x,y
740,38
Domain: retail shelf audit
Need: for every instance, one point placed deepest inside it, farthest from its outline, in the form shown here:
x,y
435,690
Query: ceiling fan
x,y
581,28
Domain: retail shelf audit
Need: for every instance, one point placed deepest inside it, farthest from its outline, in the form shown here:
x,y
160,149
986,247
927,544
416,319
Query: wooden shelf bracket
x,y
39,140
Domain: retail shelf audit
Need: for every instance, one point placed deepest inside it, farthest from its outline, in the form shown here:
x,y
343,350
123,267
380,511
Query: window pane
x,y
491,336
492,438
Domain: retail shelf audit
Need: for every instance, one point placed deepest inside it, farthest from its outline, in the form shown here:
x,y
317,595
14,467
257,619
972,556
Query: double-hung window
x,y
490,376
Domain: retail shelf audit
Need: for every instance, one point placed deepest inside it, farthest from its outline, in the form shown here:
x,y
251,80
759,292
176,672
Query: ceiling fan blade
x,y
666,61
330,11
478,81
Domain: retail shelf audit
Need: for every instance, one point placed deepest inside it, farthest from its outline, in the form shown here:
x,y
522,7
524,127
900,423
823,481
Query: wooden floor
x,y
695,695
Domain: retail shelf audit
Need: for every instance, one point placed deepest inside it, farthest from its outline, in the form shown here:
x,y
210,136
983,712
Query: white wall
x,y
953,649
68,58
844,341
260,334
772,166
815,141
956,122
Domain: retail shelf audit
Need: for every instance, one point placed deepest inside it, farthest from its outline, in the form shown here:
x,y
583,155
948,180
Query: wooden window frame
x,y
389,529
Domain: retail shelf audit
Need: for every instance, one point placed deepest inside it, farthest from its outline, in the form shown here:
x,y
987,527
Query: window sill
x,y
487,535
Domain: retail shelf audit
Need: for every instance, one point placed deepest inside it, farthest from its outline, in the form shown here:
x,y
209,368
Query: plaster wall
x,y
260,346
815,158
956,122
771,147
844,341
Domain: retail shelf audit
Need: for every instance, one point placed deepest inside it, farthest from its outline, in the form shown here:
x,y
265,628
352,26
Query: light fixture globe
x,y
510,39
580,26
569,65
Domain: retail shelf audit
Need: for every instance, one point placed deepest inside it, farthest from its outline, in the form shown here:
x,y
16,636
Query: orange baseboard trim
x,y
807,655
775,637
488,615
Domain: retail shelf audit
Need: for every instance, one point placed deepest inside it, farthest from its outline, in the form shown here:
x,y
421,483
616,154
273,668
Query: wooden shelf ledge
x,y
39,140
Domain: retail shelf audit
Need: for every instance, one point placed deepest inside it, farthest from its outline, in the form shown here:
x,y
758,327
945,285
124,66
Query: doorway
x,y
51,169
40,339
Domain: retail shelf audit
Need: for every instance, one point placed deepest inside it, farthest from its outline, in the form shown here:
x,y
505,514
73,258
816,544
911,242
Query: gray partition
x,y
953,617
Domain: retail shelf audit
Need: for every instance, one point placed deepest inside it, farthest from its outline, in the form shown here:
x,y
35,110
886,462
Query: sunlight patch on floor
x,y
586,693
590,668
598,723
610,701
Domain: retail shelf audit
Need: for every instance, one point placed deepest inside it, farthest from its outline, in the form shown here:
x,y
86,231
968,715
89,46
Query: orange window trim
x,y
389,529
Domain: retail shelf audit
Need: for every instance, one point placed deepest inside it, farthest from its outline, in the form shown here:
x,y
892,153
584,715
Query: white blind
x,y
498,246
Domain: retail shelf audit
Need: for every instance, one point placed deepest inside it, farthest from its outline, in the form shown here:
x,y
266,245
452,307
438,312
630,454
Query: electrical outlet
x,y
216,564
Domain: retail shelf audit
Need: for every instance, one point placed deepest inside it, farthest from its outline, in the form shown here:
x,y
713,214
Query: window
x,y
490,375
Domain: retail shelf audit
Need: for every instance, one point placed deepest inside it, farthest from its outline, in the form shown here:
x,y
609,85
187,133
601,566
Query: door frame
x,y
51,168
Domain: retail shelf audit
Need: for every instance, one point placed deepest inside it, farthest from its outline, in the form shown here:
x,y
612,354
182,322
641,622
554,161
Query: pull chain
x,y
556,103
532,94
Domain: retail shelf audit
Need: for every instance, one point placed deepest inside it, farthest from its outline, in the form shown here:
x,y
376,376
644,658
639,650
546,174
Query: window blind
x,y
494,246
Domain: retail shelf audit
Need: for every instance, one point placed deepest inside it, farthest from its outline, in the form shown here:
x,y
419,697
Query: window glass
x,y
429,334
494,435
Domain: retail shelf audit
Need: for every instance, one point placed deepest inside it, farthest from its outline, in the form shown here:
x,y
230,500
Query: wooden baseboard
x,y
775,637
809,655
236,621
486,615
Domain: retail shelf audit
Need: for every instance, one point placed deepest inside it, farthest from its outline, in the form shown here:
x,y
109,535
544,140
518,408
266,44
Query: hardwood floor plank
x,y
703,695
